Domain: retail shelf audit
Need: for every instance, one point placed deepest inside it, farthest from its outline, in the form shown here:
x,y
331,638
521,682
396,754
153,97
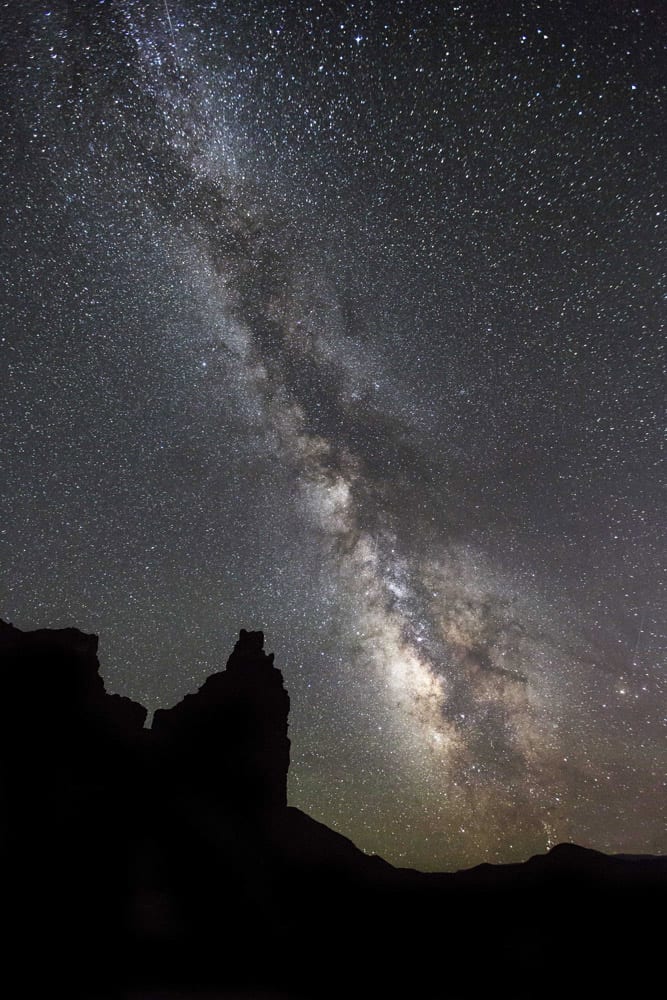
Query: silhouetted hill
x,y
137,862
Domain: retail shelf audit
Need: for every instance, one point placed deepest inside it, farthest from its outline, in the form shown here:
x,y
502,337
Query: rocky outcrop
x,y
70,784
229,740
54,673
61,730
67,748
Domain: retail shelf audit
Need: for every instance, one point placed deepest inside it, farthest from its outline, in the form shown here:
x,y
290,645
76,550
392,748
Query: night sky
x,y
343,321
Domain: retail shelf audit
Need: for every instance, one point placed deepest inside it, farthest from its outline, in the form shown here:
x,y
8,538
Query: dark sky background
x,y
343,321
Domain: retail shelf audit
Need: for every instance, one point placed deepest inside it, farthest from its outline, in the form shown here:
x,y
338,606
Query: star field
x,y
345,322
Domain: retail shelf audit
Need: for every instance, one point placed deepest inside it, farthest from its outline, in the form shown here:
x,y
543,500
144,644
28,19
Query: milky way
x,y
345,323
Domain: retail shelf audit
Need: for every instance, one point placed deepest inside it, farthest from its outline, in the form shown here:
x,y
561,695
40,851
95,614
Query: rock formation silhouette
x,y
138,860
229,740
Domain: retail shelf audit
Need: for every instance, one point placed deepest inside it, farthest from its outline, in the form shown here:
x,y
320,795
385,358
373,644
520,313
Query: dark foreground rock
x,y
165,863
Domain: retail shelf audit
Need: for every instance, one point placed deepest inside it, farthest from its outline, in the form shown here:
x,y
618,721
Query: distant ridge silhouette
x,y
166,862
